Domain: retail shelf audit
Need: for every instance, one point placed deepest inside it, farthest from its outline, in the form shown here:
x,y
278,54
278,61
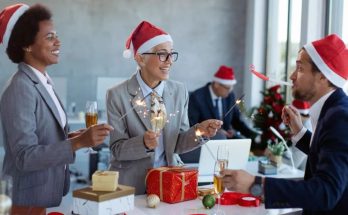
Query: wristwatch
x,y
257,188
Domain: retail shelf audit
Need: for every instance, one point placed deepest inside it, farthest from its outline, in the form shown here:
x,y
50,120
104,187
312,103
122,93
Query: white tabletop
x,y
284,171
196,207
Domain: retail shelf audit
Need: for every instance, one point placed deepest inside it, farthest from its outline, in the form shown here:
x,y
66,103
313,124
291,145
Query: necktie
x,y
158,112
216,107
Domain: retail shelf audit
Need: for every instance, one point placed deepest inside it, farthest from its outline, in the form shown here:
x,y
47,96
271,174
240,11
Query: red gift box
x,y
172,184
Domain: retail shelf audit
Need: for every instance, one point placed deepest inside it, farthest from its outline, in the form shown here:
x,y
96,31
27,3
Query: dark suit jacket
x,y
201,108
36,147
324,190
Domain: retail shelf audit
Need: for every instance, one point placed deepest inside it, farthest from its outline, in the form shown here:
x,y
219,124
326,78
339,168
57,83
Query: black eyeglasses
x,y
164,56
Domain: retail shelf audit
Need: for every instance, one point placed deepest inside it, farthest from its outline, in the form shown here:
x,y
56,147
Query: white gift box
x,y
89,202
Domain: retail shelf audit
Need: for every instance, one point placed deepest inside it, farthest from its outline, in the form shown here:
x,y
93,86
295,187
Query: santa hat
x,y
225,75
144,37
8,18
330,55
301,106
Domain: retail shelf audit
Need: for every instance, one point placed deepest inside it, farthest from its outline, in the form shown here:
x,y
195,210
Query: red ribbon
x,y
233,198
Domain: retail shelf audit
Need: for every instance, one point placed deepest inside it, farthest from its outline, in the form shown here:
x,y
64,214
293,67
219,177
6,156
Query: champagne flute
x,y
91,117
219,188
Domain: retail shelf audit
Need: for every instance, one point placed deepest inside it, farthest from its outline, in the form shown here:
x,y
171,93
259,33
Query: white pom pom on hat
x,y
8,18
144,37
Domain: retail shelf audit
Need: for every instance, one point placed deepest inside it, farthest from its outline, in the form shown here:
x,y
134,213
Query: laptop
x,y
237,159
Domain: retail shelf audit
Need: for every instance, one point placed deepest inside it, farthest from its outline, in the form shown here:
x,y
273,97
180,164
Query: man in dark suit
x,y
321,71
214,100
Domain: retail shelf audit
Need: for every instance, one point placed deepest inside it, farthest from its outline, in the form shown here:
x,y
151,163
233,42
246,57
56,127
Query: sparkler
x,y
239,100
265,78
138,102
199,135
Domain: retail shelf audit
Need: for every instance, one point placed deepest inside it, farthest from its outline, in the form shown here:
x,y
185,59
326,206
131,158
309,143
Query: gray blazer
x,y
129,155
36,145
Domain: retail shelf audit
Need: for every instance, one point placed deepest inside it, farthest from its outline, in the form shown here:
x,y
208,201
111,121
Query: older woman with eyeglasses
x,y
145,104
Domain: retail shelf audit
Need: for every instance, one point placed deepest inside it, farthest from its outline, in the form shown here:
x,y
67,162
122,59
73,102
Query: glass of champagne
x,y
91,117
220,165
218,184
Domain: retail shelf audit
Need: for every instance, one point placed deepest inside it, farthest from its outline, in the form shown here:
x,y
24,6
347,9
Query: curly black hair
x,y
25,31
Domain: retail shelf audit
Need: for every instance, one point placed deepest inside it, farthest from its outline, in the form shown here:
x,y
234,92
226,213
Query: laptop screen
x,y
237,159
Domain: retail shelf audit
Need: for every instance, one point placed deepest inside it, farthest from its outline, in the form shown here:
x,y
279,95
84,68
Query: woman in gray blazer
x,y
38,147
135,146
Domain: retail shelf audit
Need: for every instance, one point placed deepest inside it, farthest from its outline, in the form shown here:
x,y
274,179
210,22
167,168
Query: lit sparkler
x,y
265,78
138,102
239,100
199,135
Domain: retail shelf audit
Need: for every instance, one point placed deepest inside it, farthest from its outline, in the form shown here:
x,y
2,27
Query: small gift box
x,y
172,184
87,201
104,180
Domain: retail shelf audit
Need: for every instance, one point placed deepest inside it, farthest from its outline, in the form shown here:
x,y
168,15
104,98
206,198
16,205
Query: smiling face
x,y
153,71
45,50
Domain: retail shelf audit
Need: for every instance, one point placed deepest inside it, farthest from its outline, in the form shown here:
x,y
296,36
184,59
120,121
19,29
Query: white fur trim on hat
x,y
127,53
224,81
333,77
154,42
14,18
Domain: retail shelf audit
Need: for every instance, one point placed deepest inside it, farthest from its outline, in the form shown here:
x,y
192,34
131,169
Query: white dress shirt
x,y
213,98
314,113
160,159
45,80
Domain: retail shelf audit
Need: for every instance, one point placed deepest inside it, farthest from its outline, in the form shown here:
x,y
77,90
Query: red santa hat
x,y
330,55
8,18
301,106
144,37
225,75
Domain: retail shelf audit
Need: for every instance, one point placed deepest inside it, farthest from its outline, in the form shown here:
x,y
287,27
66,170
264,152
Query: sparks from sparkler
x,y
199,136
239,100
138,102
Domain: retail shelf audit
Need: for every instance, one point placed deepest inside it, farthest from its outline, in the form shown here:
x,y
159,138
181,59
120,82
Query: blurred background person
x,y
136,144
38,147
213,101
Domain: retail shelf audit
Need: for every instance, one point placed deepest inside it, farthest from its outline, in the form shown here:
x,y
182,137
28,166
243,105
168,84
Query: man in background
x,y
214,100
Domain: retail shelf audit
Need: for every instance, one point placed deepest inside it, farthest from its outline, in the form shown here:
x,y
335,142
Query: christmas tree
x,y
269,114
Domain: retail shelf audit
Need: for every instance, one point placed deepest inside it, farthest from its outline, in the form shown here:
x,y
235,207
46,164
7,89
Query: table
x,y
284,171
194,206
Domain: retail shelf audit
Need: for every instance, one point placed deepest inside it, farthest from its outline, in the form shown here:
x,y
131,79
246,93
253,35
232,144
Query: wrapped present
x,y
172,184
104,180
88,201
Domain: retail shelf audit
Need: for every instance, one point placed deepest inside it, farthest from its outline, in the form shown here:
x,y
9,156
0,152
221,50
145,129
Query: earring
x,y
27,49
